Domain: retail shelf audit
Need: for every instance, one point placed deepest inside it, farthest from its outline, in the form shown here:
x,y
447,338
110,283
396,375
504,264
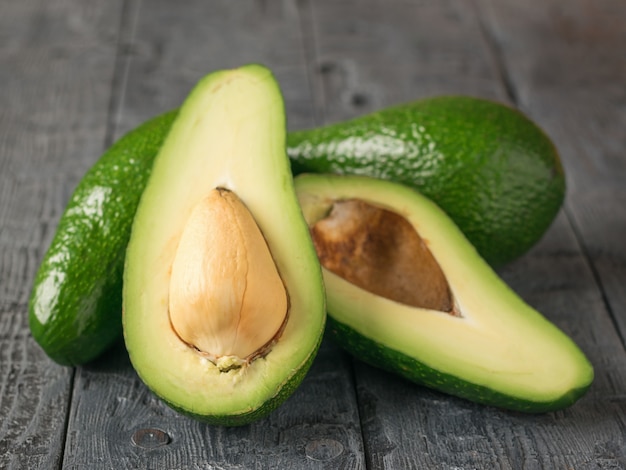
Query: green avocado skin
x,y
491,169
386,358
75,303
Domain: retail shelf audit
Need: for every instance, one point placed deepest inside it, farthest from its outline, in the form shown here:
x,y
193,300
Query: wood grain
x,y
172,48
56,69
76,75
372,54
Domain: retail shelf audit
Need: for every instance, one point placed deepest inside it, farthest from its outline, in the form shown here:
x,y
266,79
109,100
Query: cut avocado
x,y
223,295
408,293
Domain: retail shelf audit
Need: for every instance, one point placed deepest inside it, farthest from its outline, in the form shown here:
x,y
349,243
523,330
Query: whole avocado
x,y
495,173
75,304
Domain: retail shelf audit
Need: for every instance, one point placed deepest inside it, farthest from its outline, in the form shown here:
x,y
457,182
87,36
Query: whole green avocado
x,y
495,173
76,299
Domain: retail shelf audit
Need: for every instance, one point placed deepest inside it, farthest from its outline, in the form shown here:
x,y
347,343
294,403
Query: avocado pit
x,y
380,251
227,300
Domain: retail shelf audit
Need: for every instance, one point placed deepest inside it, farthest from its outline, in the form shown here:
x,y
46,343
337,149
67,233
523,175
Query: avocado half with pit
x,y
223,297
408,293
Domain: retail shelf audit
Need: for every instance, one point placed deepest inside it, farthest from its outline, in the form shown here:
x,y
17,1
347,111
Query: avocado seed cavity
x,y
380,251
226,297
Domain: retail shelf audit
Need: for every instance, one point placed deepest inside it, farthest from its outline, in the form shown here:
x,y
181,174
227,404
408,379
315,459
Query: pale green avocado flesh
x,y
475,338
229,134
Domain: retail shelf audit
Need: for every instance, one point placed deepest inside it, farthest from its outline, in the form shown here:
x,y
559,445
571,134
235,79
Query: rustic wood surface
x,y
75,75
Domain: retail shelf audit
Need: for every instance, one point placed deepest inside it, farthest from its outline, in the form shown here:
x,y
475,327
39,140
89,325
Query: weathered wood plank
x,y
56,61
172,48
168,50
561,62
373,54
570,73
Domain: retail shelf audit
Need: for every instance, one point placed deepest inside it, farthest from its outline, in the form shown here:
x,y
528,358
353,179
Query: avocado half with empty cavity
x,y
223,294
408,293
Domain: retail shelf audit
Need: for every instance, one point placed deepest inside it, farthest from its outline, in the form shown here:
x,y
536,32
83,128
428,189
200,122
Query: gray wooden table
x,y
77,74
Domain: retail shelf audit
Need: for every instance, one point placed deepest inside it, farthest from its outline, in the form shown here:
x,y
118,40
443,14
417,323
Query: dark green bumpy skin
x,y
76,301
491,169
